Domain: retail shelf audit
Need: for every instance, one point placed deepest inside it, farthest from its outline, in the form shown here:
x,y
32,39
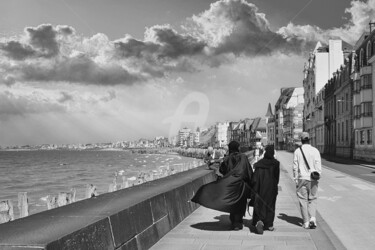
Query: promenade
x,y
207,229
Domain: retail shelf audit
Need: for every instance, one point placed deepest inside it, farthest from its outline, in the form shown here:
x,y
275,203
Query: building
x,y
330,118
363,96
344,108
231,133
221,134
321,64
287,110
183,136
270,120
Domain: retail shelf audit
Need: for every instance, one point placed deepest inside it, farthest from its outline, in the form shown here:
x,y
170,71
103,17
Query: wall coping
x,y
39,231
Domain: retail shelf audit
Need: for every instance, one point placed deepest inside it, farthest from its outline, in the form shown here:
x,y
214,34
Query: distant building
x,y
288,112
270,120
221,134
183,135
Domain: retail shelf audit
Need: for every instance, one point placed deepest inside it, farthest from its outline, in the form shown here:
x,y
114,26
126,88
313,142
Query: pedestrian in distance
x,y
213,158
229,194
264,183
307,169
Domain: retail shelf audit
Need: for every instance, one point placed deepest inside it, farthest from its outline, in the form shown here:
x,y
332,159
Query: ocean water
x,y
43,173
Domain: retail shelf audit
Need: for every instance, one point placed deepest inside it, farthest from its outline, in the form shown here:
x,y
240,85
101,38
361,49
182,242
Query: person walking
x,y
264,184
307,169
229,194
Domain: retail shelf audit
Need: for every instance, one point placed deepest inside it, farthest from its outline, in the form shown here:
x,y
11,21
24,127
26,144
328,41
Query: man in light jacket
x,y
307,189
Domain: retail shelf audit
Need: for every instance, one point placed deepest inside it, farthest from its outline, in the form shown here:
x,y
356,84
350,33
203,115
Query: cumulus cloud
x,y
361,13
227,30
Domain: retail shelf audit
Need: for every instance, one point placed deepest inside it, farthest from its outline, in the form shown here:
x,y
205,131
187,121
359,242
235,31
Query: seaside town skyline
x,y
70,77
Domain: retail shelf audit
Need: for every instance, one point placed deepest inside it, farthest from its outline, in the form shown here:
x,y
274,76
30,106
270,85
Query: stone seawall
x,y
132,218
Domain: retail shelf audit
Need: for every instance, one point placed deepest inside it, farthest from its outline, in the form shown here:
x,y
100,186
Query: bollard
x,y
73,195
23,205
90,191
51,202
6,211
62,199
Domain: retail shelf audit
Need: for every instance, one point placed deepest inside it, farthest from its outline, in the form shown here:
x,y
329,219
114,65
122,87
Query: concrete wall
x,y
132,218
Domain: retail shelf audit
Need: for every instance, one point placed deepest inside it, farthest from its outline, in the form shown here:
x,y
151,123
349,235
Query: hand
x,y
296,181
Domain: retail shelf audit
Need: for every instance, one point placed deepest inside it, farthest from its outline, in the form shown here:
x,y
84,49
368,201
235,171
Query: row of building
x,y
335,103
248,132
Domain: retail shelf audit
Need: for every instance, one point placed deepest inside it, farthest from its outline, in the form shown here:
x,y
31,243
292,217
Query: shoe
x,y
259,227
270,229
306,225
312,224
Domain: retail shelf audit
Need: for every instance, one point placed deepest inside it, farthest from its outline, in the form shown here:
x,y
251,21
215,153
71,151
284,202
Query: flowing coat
x,y
228,193
265,189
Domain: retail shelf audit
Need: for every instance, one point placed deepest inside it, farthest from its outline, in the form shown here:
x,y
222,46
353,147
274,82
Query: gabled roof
x,y
286,94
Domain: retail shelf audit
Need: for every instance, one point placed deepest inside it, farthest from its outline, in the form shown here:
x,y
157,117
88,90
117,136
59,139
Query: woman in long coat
x,y
264,184
229,194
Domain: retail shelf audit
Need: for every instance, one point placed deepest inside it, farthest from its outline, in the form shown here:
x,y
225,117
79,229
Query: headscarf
x,y
270,152
233,146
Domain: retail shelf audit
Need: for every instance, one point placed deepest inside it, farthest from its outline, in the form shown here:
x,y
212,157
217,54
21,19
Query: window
x,y
338,132
346,130
347,101
356,138
357,86
369,136
342,131
357,111
366,108
362,137
368,51
366,82
361,58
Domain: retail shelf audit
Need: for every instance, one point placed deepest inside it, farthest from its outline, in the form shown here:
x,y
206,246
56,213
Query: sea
x,y
47,172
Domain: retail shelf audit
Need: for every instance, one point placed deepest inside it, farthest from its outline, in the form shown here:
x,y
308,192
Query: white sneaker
x,y
312,223
306,225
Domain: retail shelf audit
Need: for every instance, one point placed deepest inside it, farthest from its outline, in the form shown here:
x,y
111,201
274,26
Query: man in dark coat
x,y
229,194
264,184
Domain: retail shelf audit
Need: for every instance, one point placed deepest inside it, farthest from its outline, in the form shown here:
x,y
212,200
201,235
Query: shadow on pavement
x,y
223,224
290,219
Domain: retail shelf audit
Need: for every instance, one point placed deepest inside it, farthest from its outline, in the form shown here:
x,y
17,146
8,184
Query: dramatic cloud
x,y
229,29
237,27
361,13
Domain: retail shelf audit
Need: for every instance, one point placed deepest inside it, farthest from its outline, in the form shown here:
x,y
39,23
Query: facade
x,y
344,106
288,110
321,64
183,136
221,134
363,96
270,120
330,118
230,132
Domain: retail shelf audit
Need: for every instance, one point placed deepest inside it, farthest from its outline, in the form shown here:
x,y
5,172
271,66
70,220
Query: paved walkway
x,y
209,229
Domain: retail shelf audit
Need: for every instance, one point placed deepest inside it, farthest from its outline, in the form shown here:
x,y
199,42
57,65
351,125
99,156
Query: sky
x,y
83,71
